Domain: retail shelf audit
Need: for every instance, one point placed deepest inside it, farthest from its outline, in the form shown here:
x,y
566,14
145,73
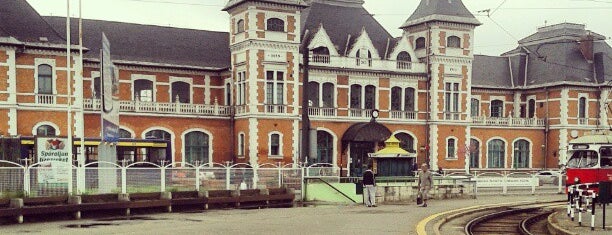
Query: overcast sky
x,y
519,17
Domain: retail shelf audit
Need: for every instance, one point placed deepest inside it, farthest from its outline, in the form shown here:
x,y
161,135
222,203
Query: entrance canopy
x,y
366,132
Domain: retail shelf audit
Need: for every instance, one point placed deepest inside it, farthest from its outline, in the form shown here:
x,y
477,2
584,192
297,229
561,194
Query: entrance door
x,y
359,157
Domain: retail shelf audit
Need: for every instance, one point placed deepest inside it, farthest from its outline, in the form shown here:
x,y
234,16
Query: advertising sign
x,y
54,158
110,95
485,182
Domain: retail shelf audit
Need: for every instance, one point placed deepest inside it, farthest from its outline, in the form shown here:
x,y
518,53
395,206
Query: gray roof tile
x,y
19,20
491,71
441,10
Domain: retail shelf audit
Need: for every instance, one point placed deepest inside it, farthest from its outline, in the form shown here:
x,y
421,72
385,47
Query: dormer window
x,y
276,24
420,43
453,42
364,57
404,60
240,26
320,55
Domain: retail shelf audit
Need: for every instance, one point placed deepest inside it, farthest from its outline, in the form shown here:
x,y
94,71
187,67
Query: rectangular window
x,y
275,90
241,145
274,145
451,100
241,88
450,149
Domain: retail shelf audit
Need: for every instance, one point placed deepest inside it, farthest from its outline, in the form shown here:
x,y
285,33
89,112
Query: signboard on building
x,y
276,56
55,161
489,182
110,95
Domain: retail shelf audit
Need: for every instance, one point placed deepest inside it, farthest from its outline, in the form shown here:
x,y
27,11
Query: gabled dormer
x,y
403,53
321,46
364,50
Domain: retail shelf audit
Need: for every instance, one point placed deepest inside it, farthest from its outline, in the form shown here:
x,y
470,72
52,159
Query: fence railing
x,y
159,107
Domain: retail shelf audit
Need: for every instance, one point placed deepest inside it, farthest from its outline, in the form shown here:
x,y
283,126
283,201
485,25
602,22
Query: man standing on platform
x,y
369,185
425,183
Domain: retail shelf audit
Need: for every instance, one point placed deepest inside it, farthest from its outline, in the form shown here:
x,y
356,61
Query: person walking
x,y
369,185
425,183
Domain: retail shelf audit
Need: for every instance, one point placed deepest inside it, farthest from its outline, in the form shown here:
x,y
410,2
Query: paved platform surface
x,y
327,219
565,222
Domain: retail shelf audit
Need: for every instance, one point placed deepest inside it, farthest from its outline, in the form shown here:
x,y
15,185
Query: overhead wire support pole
x,y
81,158
69,96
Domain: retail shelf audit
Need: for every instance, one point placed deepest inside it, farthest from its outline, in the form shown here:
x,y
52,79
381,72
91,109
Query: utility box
x,y
358,188
605,192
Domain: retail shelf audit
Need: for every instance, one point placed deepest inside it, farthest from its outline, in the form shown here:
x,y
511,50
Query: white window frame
x,y
456,140
479,113
183,145
241,87
35,128
448,110
500,98
280,145
275,86
241,153
586,109
505,166
50,62
151,78
530,157
172,138
187,80
95,74
535,106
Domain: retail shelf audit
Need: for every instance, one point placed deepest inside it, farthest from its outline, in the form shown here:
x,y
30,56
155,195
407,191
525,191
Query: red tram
x,y
590,160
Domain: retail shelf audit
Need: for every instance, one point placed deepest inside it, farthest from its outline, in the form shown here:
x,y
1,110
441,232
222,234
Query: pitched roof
x,y
232,3
441,10
342,21
152,44
569,30
491,71
19,20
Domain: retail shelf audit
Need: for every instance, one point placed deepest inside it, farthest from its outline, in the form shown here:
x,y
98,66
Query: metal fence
x,y
105,177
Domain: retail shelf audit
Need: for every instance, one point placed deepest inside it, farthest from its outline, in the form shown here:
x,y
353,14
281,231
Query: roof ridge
x,y
134,23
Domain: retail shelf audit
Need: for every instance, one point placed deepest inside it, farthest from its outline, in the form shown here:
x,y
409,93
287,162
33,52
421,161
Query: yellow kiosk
x,y
393,160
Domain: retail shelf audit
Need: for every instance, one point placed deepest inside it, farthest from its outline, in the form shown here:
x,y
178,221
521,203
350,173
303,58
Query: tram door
x,y
359,157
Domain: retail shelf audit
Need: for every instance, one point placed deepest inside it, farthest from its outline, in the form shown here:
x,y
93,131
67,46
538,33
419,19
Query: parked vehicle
x,y
590,159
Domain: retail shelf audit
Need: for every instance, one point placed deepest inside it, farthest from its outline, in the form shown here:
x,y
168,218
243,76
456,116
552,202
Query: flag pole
x,y
69,95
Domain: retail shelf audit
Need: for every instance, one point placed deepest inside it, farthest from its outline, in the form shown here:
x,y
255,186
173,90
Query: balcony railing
x,y
508,121
366,63
452,116
410,115
275,108
45,99
322,112
166,108
360,113
583,121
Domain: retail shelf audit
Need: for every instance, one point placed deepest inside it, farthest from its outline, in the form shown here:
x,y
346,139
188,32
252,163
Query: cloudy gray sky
x,y
519,18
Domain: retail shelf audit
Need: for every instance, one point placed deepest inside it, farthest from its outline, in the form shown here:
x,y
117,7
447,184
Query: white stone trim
x,y
241,154
563,145
586,106
433,147
500,98
321,39
280,144
535,106
12,121
207,87
504,158
131,131
479,151
187,80
37,125
564,106
364,42
210,143
151,78
415,140
530,151
172,139
12,77
603,108
296,142
403,45
50,62
253,141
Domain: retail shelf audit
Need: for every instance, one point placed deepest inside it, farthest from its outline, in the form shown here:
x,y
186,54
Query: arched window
x,y
97,83
45,79
143,90
409,99
196,147
241,145
497,108
406,141
475,107
396,98
228,94
531,107
582,110
45,130
453,42
124,134
240,26
181,92
496,151
356,96
420,43
158,134
474,153
403,60
328,95
364,57
276,24
320,55
521,154
370,97
275,145
325,147
313,94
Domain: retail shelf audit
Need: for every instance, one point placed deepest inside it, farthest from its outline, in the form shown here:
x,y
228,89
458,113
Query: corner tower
x,y
264,45
442,33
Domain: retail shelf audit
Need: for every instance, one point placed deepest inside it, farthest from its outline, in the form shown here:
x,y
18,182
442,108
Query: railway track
x,y
521,220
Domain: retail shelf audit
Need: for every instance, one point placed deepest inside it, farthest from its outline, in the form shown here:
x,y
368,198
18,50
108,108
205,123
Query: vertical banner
x,y
54,158
107,150
110,95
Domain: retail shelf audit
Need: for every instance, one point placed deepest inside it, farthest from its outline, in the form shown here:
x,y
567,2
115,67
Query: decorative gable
x,y
321,39
364,42
402,45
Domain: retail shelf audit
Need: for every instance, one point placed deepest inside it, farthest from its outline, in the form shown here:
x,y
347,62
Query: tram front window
x,y
583,159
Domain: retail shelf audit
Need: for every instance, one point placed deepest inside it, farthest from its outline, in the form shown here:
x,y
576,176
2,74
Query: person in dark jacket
x,y
369,187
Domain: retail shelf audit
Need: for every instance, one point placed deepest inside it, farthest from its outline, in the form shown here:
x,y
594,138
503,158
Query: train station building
x,y
324,67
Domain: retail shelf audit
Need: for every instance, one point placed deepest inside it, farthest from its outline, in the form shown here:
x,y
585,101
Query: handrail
x,y
331,186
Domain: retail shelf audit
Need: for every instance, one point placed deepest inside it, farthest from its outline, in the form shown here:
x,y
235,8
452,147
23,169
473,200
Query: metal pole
x,y
69,95
81,157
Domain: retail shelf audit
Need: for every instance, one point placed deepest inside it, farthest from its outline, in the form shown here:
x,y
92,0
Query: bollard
x,y
204,194
17,203
569,201
593,212
124,197
75,200
579,207
573,211
167,196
